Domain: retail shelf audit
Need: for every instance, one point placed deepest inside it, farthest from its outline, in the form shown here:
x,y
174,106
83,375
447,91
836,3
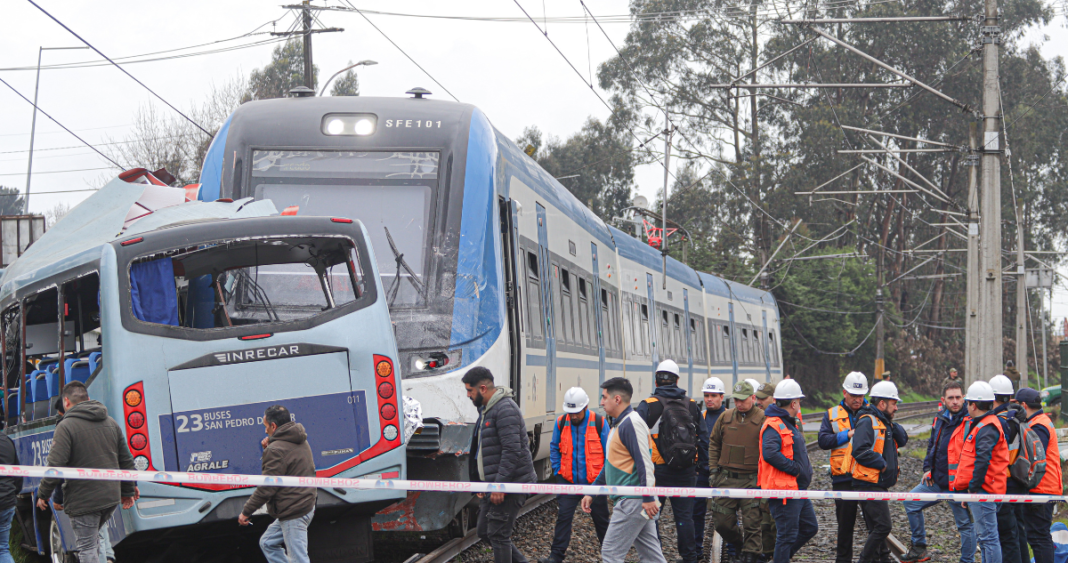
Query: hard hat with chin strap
x,y
713,385
1001,385
980,391
884,390
856,384
575,400
788,389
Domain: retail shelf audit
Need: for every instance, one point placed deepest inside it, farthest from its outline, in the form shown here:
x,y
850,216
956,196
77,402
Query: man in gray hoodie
x,y
87,437
499,454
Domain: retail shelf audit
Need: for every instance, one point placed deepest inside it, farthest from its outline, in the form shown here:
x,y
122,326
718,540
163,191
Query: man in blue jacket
x,y
577,452
936,479
836,433
713,390
1010,518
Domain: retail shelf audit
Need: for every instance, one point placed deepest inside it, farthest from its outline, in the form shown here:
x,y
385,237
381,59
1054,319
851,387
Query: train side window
x,y
535,322
557,303
728,355
567,329
774,349
694,341
583,313
644,329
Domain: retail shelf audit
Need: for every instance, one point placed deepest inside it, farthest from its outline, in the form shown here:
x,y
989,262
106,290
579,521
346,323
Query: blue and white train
x,y
488,261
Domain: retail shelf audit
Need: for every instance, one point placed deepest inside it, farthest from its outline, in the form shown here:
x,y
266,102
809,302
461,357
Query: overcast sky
x,y
507,69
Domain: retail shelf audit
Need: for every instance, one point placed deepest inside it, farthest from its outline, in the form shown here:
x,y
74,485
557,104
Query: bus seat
x,y
13,405
52,383
48,364
79,371
39,386
94,360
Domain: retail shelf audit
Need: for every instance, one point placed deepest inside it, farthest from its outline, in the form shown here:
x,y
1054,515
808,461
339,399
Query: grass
x,y
15,545
909,396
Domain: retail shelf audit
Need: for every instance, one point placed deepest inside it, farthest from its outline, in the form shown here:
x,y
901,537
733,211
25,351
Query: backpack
x,y
597,419
1030,464
677,437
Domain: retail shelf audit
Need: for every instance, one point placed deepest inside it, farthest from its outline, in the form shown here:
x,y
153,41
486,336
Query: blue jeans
x,y
986,530
291,533
795,524
914,511
5,534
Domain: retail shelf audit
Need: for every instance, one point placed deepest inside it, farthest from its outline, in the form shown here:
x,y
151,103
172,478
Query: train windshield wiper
x,y
394,288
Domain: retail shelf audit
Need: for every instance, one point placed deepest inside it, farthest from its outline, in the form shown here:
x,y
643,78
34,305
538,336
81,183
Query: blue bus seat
x,y
39,385
78,371
27,390
13,405
52,383
48,364
94,360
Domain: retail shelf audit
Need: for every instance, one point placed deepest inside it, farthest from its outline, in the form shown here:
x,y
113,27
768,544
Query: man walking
x,y
784,465
499,454
874,465
836,433
577,456
1038,518
285,452
10,487
87,437
713,391
936,479
733,456
628,463
983,465
674,422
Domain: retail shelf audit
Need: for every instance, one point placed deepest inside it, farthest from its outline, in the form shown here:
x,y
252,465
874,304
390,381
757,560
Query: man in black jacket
x,y
875,467
10,487
499,454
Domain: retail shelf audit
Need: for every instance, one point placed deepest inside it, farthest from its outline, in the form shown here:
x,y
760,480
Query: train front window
x,y
232,283
390,192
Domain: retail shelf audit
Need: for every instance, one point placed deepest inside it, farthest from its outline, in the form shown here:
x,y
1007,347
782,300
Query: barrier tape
x,y
176,477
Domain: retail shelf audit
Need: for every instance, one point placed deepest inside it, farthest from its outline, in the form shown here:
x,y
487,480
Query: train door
x,y
689,338
652,325
545,265
509,211
598,317
767,352
734,348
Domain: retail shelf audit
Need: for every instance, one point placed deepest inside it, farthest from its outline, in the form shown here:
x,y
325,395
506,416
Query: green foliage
x,y
347,84
283,73
11,202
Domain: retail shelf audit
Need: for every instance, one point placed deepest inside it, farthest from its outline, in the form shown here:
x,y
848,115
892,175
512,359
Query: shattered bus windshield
x,y
245,282
390,192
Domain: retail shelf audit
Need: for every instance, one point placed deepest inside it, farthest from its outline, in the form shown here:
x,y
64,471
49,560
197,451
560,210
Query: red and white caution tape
x,y
238,480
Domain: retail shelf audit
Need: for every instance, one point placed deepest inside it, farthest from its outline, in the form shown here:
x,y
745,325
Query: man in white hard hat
x,y
784,465
674,422
577,453
713,391
1010,515
874,465
836,431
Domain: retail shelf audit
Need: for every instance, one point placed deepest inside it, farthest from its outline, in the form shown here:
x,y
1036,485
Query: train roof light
x,y
301,92
419,92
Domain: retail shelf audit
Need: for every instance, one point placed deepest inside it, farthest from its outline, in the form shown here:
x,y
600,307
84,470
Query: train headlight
x,y
349,124
335,127
365,127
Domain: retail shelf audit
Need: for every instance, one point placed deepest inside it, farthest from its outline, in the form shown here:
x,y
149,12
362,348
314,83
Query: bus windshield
x,y
390,192
245,281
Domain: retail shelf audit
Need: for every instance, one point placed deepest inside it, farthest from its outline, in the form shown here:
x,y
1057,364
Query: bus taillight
x,y
387,400
133,406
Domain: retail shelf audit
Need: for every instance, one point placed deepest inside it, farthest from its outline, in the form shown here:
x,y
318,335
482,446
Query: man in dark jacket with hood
x,y
286,452
875,465
88,437
499,454
10,487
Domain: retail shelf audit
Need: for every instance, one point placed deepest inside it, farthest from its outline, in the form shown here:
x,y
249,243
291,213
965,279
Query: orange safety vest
x,y
1051,483
840,456
998,471
953,450
861,472
594,449
768,476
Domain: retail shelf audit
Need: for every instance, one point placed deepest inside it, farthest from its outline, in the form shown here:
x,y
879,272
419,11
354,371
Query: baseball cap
x,y
765,390
1028,395
742,391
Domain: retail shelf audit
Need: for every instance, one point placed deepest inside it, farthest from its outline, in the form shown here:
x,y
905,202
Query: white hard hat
x,y
856,384
1001,385
754,383
713,385
668,366
788,389
575,400
884,390
980,391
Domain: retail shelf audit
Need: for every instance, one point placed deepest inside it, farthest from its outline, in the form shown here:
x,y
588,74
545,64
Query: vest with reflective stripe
x,y
956,444
768,476
594,451
998,470
859,471
1051,482
840,456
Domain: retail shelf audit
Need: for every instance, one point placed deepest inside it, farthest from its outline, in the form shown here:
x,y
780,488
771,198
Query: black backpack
x,y
1030,464
677,437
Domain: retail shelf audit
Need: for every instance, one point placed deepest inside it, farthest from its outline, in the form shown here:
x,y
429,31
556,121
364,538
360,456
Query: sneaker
x,y
916,554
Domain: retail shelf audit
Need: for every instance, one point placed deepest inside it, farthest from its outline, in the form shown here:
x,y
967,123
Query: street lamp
x,y
361,63
33,126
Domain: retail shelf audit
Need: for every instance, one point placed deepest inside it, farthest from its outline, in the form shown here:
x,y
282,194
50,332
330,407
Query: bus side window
x,y
13,362
81,318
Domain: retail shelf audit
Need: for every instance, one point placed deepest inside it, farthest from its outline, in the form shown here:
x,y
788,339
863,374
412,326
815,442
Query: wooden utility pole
x,y
990,305
306,17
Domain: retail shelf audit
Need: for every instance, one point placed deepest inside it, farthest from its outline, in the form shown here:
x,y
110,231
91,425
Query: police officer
x,y
784,465
1038,517
1010,521
577,454
732,462
765,393
672,469
874,465
713,390
836,431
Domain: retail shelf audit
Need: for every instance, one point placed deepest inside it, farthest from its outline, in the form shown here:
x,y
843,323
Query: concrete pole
x,y
971,324
1021,305
309,69
990,321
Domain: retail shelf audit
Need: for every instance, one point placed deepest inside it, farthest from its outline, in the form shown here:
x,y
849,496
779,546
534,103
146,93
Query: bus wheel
x,y
461,524
55,545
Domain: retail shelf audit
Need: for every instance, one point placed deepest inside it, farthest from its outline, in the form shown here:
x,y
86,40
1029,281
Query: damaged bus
x,y
187,321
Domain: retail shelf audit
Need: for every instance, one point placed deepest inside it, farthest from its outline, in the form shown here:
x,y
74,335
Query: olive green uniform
x,y
733,453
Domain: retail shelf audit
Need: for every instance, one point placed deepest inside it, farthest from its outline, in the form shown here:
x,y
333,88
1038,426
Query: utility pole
x,y
971,325
1021,304
990,322
668,131
306,17
880,364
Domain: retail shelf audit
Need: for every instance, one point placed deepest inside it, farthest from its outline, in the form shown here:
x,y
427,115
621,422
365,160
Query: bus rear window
x,y
245,282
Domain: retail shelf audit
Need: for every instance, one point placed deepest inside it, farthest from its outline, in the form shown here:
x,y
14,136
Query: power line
x,y
126,72
91,146
61,125
58,172
57,192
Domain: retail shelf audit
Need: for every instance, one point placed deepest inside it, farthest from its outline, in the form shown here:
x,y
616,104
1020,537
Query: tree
x,y
282,74
11,202
347,84
56,212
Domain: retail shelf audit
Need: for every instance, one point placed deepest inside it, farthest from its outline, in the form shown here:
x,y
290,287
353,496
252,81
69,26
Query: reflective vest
x,y
768,476
1051,482
998,470
840,456
594,449
1014,447
953,450
861,472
